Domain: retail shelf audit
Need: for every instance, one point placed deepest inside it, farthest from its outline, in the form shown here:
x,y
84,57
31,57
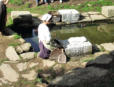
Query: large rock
x,y
91,76
32,75
97,17
11,54
9,73
21,19
28,55
108,46
26,46
108,11
104,61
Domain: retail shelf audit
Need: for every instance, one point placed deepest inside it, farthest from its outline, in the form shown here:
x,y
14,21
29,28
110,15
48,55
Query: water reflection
x,y
96,33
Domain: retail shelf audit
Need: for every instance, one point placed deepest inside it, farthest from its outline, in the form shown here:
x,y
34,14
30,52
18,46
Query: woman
x,y
3,14
44,36
42,1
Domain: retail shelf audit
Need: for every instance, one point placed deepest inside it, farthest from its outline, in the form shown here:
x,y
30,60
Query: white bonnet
x,y
46,17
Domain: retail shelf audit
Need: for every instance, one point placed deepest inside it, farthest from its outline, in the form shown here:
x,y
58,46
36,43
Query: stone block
x,y
15,14
108,46
108,11
97,17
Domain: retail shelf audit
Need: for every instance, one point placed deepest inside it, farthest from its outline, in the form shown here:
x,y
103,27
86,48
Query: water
x,y
95,33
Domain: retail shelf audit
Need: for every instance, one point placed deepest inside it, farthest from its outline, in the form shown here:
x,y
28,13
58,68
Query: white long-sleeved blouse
x,y
44,34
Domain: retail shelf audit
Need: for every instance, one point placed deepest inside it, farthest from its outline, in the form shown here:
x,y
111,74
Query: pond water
x,y
95,33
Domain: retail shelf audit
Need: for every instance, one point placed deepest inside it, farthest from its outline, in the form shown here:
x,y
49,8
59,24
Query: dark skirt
x,y
44,52
3,14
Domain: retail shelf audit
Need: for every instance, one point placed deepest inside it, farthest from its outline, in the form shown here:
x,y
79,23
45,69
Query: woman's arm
x,y
6,2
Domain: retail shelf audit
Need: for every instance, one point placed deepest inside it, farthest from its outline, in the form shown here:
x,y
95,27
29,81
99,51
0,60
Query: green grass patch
x,y
14,44
2,60
16,36
39,80
16,2
9,21
40,70
102,49
88,59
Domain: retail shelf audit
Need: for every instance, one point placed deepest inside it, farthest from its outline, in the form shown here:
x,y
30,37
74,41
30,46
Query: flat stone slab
x,y
108,46
48,63
30,76
28,55
22,66
33,64
9,73
15,14
93,13
97,17
86,17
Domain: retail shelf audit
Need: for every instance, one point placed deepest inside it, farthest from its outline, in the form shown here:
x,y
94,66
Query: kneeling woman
x,y
44,36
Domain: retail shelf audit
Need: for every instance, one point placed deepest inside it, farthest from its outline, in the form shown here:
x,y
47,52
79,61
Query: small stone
x,y
48,63
18,49
22,66
28,55
25,46
22,40
108,46
11,54
30,76
57,67
41,85
33,64
3,81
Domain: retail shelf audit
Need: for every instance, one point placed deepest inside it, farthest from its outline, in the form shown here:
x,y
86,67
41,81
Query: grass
x,y
9,21
14,44
16,36
2,60
87,6
38,80
16,2
83,7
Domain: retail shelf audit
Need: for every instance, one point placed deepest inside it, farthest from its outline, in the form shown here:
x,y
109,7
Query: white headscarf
x,y
46,17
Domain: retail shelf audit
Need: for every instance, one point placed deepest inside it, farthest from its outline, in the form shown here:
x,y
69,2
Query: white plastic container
x,y
69,15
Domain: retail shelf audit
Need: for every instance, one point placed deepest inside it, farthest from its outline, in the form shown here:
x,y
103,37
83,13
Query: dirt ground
x,y
6,41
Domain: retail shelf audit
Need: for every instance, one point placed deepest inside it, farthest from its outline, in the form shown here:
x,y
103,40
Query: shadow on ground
x,y
97,73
